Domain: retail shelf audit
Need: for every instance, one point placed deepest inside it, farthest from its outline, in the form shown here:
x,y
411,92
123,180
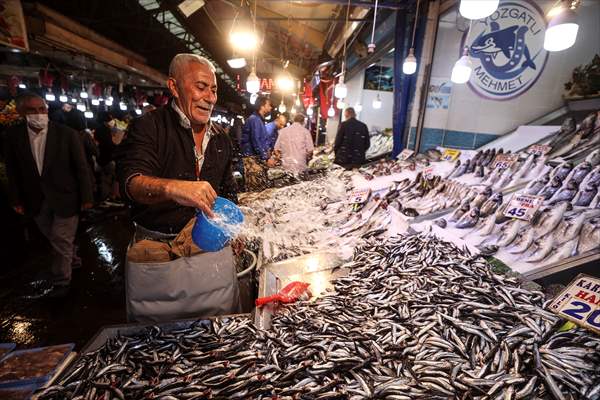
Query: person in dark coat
x,y
351,142
48,179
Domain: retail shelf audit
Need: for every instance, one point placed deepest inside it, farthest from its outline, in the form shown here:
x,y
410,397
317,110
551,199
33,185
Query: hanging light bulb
x,y
50,96
331,112
377,102
88,114
478,9
95,102
340,104
73,100
81,107
253,98
309,111
252,82
236,63
22,86
108,101
83,94
410,63
297,102
63,98
341,91
462,68
138,111
145,104
122,106
293,110
282,108
562,31
358,107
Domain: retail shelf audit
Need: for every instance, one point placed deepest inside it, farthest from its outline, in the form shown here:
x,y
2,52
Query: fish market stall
x,y
414,317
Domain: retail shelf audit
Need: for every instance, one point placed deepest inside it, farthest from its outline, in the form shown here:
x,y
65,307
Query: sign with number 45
x,y
523,206
580,302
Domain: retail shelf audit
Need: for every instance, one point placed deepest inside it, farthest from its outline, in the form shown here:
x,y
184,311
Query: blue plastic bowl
x,y
213,234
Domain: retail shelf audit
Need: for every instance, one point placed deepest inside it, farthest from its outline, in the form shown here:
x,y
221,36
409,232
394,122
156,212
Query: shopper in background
x,y
295,146
108,140
255,147
69,116
49,180
351,142
273,129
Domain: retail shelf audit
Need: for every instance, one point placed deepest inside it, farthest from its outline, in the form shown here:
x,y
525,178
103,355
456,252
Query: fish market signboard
x,y
507,50
580,302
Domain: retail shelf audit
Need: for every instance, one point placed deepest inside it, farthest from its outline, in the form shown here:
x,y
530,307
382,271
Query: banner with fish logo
x,y
507,50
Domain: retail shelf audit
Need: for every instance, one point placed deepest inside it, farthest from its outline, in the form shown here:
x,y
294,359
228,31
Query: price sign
x,y
450,154
359,196
580,302
405,154
523,206
428,173
504,161
539,149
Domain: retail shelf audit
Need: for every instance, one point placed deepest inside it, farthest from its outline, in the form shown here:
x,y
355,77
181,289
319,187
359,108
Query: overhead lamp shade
x,y
293,110
73,100
377,103
297,102
50,96
461,72
253,98
561,32
478,9
236,63
95,102
63,98
340,104
22,86
282,108
108,102
138,111
81,107
358,107
309,111
83,94
285,83
122,106
410,63
331,112
88,114
252,82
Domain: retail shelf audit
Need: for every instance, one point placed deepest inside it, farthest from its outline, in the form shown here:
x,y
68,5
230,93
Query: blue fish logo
x,y
510,42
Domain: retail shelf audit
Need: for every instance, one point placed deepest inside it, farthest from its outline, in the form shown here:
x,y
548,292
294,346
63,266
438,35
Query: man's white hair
x,y
180,61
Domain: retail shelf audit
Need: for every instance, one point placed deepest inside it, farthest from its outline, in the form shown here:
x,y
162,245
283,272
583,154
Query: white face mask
x,y
37,121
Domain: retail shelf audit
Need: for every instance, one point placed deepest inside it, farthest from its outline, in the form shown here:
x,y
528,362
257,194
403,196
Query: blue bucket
x,y
213,234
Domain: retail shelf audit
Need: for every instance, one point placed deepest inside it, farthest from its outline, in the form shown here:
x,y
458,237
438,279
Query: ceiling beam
x,y
282,18
304,32
393,4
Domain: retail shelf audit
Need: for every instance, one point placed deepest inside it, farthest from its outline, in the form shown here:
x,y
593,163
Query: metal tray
x,y
111,331
318,269
39,379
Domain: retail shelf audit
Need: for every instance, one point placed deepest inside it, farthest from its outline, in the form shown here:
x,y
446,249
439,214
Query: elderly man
x,y
351,142
49,180
173,162
295,145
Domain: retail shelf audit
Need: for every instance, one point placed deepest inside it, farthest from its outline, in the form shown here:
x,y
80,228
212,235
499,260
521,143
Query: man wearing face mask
x,y
49,180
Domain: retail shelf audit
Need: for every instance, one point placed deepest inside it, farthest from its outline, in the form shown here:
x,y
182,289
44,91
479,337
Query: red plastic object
x,y
289,294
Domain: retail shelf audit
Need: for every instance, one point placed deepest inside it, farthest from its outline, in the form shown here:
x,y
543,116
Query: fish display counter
x,y
412,317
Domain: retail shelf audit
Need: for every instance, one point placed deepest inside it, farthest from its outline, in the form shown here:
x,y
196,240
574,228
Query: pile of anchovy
x,y
415,318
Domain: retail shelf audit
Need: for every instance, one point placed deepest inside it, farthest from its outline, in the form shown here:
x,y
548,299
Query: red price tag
x,y
539,149
504,161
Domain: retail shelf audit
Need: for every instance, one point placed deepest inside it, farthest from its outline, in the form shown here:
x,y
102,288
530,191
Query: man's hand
x,y
19,210
86,206
199,194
